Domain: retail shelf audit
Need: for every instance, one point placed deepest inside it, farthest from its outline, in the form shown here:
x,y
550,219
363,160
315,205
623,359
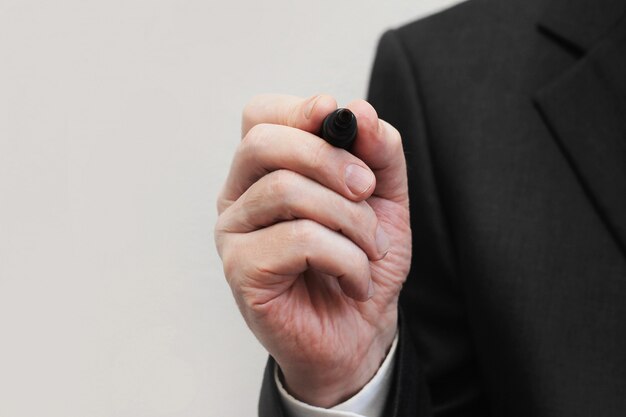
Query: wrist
x,y
326,385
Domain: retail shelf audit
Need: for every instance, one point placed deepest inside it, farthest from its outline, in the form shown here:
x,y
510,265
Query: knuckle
x,y
252,202
219,227
230,264
256,135
221,236
280,184
252,143
303,231
222,203
225,224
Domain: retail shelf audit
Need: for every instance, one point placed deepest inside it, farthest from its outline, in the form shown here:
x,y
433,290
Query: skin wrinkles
x,y
304,255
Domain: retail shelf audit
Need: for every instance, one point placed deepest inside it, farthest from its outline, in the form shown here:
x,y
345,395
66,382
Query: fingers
x,y
378,148
268,147
306,114
276,255
286,195
379,145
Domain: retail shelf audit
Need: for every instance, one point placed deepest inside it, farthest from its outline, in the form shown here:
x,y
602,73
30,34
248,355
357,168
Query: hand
x,y
316,242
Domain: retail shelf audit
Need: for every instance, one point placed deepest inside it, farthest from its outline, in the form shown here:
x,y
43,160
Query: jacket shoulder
x,y
471,27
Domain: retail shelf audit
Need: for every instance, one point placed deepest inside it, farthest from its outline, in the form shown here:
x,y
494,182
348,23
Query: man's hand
x,y
316,242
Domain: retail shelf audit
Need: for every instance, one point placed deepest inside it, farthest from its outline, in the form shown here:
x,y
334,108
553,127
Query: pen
x,y
339,128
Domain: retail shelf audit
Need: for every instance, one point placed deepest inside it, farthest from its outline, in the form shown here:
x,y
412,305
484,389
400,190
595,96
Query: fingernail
x,y
308,110
358,179
382,241
370,290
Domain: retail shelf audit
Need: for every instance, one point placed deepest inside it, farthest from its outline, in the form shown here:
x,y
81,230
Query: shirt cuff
x,y
369,402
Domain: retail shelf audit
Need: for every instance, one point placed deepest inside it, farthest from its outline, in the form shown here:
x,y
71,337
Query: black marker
x,y
339,128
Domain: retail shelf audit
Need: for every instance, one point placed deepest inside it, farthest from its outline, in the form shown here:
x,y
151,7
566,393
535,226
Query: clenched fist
x,y
316,242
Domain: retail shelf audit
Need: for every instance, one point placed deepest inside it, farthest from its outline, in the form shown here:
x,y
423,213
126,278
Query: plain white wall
x,y
118,120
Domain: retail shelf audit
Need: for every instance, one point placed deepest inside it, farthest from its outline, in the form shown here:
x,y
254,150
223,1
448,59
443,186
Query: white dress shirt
x,y
369,402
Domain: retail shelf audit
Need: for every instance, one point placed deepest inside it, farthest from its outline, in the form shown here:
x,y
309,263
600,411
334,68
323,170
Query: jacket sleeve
x,y
436,369
270,404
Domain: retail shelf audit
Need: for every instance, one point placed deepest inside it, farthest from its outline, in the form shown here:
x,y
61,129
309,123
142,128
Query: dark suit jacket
x,y
513,115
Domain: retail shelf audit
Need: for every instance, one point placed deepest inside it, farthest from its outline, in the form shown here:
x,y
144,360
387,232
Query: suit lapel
x,y
581,23
585,109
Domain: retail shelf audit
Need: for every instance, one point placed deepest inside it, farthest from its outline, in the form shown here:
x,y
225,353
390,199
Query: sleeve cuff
x,y
369,402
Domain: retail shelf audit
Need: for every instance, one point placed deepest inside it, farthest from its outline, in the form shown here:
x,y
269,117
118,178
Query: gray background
x,y
118,120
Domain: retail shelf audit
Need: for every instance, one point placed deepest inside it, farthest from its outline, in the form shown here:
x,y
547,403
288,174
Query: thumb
x,y
379,145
